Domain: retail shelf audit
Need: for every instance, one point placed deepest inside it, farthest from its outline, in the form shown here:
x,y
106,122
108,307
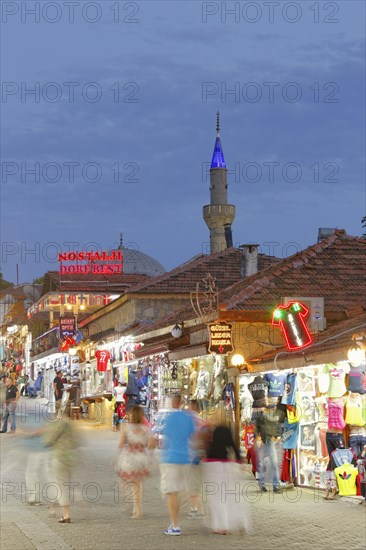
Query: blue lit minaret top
x,y
218,160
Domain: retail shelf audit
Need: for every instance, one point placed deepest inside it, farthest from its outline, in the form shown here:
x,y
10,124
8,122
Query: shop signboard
x,y
221,341
97,263
67,332
291,319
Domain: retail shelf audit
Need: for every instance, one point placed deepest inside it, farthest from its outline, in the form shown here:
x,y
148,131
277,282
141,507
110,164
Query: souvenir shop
x,y
203,378
48,366
104,365
317,409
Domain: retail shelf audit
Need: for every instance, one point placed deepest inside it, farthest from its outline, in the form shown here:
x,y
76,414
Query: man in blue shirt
x,y
33,390
175,468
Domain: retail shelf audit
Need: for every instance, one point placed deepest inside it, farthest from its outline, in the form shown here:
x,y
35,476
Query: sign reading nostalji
x,y
106,263
291,320
220,338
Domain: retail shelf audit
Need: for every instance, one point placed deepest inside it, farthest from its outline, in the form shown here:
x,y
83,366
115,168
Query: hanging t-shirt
x,y
295,412
321,409
119,392
290,435
259,390
102,357
248,436
276,384
291,319
335,418
337,375
355,379
346,478
289,392
354,410
342,456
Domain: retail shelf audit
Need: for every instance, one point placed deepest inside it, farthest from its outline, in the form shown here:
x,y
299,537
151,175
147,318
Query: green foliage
x,y
38,280
5,284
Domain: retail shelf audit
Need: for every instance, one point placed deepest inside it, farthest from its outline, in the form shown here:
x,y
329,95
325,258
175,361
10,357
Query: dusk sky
x,y
139,89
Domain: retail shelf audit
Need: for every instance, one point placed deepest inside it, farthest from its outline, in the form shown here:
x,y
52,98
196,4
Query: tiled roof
x,y
333,268
225,266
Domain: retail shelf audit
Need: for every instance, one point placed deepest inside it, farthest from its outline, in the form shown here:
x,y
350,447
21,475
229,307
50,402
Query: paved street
x,y
100,514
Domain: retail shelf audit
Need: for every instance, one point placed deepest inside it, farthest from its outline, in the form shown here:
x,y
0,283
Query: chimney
x,y
325,232
228,235
249,264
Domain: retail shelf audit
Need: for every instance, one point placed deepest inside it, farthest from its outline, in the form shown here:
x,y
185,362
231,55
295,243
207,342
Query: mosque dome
x,y
135,261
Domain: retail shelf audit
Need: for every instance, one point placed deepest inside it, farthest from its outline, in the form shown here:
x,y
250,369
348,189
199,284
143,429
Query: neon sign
x,y
291,320
106,263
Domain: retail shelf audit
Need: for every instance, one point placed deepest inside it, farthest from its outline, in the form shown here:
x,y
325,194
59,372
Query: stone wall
x,y
152,308
137,309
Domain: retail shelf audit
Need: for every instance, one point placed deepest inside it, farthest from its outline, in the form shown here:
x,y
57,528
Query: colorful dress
x,y
133,462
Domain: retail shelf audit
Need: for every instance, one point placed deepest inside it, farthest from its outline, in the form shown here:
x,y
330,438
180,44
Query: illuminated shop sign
x,y
291,320
106,263
67,332
220,338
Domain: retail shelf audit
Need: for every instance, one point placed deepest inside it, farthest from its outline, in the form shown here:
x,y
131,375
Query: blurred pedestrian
x,y
21,383
134,462
197,453
60,440
222,479
119,404
34,450
269,428
58,386
177,431
11,398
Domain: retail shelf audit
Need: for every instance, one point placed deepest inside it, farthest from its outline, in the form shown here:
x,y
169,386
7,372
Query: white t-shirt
x,y
119,392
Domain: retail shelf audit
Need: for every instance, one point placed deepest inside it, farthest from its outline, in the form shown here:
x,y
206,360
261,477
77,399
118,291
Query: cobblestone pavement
x,y
296,519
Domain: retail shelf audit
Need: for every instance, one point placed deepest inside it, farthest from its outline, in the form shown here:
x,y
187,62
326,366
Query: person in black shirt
x,y
221,443
222,476
58,387
11,398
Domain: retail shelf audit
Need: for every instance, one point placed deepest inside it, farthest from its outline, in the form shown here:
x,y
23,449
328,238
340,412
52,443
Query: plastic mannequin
x,y
193,374
203,386
218,379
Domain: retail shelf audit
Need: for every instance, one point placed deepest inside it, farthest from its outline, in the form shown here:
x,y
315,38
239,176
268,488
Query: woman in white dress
x,y
133,462
222,478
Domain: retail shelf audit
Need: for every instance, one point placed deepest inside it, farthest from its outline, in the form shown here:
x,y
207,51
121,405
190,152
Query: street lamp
x,y
237,360
356,356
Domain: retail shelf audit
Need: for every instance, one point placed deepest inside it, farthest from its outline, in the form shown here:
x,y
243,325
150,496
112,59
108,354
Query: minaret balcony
x,y
218,214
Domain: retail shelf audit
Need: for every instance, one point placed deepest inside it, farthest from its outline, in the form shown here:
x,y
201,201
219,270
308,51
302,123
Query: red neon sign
x,y
106,263
291,320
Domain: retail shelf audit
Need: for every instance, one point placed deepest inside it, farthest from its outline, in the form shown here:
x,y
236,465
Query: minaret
x,y
219,215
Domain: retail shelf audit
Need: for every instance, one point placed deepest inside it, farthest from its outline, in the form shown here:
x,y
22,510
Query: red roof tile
x,y
225,266
334,269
